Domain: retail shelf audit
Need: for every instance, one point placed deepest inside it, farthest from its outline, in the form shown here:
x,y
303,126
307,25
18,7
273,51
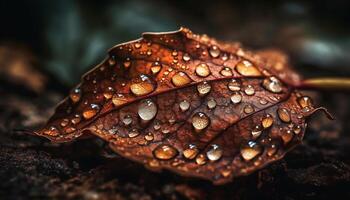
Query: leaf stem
x,y
327,83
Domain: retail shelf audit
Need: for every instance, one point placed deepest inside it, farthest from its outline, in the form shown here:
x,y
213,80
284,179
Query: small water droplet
x,y
127,120
147,110
248,109
256,132
109,93
305,101
165,152
249,90
201,159
226,71
287,136
214,51
75,95
246,68
149,52
186,57
138,45
272,84
69,130
118,99
234,85
272,149
76,119
200,121
111,61
64,122
133,133
211,103
91,112
184,105
297,129
156,126
203,88
202,70
283,114
263,101
214,153
174,53
142,85
156,67
191,152
250,151
149,137
180,79
236,98
267,121
52,131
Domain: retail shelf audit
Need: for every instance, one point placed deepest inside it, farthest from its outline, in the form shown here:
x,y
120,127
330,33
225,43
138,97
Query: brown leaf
x,y
189,104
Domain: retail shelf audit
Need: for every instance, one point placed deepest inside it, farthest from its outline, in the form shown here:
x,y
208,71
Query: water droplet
x,y
248,109
236,98
147,109
272,84
91,112
201,159
52,131
267,121
64,122
109,93
283,114
211,103
272,149
76,119
226,173
234,85
127,63
127,120
180,79
200,121
142,85
263,101
214,51
305,101
287,136
118,99
133,133
149,137
174,53
184,105
203,88
69,130
149,52
246,68
202,70
256,132
165,152
138,45
214,153
249,90
75,95
191,152
111,61
156,67
186,57
226,71
156,126
297,129
250,151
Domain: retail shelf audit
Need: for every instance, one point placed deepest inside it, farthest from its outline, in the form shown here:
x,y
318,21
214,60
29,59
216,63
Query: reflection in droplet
x,y
272,84
234,85
191,152
284,115
214,51
203,88
165,152
249,90
267,121
147,110
184,105
214,153
202,70
142,85
236,98
200,121
246,68
91,112
250,151
226,71
180,79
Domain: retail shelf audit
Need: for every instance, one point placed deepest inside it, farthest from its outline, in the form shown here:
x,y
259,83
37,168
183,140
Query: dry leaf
x,y
189,104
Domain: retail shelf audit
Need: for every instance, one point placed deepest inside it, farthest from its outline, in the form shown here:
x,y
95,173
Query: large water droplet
x,y
75,95
165,152
272,84
200,121
214,51
250,151
118,99
91,112
249,90
127,120
203,88
234,85
236,98
226,71
191,152
156,67
147,109
283,114
202,70
142,85
246,68
267,121
214,153
184,105
180,79
211,103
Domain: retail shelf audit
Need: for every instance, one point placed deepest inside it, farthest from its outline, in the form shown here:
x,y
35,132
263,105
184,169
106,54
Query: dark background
x,y
45,46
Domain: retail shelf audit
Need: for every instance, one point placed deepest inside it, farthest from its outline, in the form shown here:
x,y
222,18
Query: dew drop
x,y
226,71
305,101
272,84
214,153
147,109
263,101
186,57
297,129
180,79
184,105
137,45
52,131
202,70
118,99
250,151
149,137
76,119
127,120
156,67
191,152
248,109
236,98
133,133
200,121
201,159
249,90
174,53
246,68
142,85
214,51
109,93
256,132
211,103
267,121
234,85
75,95
283,114
203,88
91,112
165,152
